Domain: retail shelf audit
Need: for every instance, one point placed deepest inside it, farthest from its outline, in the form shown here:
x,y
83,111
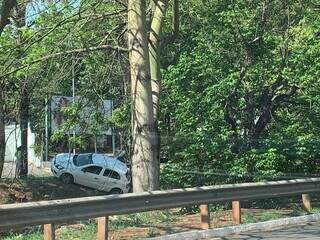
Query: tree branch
x,y
68,52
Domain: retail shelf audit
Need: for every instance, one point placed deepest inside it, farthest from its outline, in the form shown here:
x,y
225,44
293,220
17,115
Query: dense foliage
x,y
240,91
242,101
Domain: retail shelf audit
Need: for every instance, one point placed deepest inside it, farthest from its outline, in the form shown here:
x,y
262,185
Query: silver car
x,y
92,170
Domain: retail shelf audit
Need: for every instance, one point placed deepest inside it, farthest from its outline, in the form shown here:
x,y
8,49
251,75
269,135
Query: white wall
x,y
13,141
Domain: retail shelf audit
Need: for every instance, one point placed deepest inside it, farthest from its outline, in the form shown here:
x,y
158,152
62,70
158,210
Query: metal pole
x,y
46,157
95,144
73,101
113,136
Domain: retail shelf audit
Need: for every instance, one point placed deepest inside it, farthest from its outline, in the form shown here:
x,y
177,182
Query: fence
x,y
100,207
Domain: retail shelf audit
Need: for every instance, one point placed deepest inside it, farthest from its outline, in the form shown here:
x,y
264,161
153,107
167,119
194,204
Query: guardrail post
x,y
48,232
204,216
306,202
236,212
102,232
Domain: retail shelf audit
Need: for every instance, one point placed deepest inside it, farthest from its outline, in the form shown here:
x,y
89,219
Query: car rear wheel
x,y
116,191
66,178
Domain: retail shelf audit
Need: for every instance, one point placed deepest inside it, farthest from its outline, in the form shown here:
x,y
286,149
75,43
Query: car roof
x,y
109,162
98,159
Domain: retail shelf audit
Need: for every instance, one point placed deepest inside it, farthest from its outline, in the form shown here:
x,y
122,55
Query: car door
x,y
89,176
111,180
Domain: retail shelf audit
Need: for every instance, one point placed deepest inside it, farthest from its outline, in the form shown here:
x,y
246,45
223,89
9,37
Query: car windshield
x,y
121,159
82,159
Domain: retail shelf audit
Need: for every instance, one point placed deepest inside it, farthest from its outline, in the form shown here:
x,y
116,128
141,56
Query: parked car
x,y
92,170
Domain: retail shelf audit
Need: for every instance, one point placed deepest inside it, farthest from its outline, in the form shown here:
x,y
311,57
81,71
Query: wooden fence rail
x,y
48,213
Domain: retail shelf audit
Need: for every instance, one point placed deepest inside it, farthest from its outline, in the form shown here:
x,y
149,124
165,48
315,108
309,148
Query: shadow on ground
x,y
40,188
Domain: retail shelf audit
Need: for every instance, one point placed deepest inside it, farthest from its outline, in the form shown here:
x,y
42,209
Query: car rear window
x,y
82,159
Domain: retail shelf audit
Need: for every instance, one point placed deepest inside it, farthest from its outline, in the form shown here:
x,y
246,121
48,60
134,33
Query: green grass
x,y
142,219
315,210
37,235
85,232
276,214
88,230
264,216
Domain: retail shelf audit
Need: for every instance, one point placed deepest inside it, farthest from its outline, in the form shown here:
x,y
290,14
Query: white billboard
x,y
58,118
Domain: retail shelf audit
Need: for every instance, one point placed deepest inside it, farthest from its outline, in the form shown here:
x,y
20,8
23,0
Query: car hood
x,y
63,158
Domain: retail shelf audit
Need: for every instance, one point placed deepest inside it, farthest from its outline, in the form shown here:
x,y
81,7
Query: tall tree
x,y
5,11
24,105
144,166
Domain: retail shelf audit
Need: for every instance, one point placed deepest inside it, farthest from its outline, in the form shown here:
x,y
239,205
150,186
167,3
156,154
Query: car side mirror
x,y
83,170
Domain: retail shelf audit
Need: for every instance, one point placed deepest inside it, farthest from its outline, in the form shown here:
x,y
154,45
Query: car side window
x,y
111,174
92,169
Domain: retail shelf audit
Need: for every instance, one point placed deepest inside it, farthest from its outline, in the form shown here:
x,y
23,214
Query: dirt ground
x,y
37,189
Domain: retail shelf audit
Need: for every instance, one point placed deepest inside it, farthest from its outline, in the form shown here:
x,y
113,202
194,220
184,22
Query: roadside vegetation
x,y
204,93
239,97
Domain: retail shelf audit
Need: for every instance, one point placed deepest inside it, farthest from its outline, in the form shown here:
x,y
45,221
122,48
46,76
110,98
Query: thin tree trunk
x,y
2,132
20,15
175,18
5,11
154,53
144,167
154,56
24,120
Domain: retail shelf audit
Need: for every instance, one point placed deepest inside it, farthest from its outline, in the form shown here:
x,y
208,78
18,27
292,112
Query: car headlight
x,y
59,167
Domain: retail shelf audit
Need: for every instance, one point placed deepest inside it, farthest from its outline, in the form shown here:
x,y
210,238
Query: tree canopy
x,y
237,81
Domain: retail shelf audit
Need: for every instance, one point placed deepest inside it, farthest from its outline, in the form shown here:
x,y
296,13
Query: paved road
x,y
305,232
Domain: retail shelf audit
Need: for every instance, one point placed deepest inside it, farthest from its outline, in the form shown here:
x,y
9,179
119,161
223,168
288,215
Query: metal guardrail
x,y
56,211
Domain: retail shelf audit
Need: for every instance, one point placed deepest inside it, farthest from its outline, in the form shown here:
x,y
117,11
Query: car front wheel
x,y
66,178
116,191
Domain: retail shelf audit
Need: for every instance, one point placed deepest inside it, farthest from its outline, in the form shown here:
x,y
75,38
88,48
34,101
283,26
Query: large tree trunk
x,y
2,132
144,167
154,56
